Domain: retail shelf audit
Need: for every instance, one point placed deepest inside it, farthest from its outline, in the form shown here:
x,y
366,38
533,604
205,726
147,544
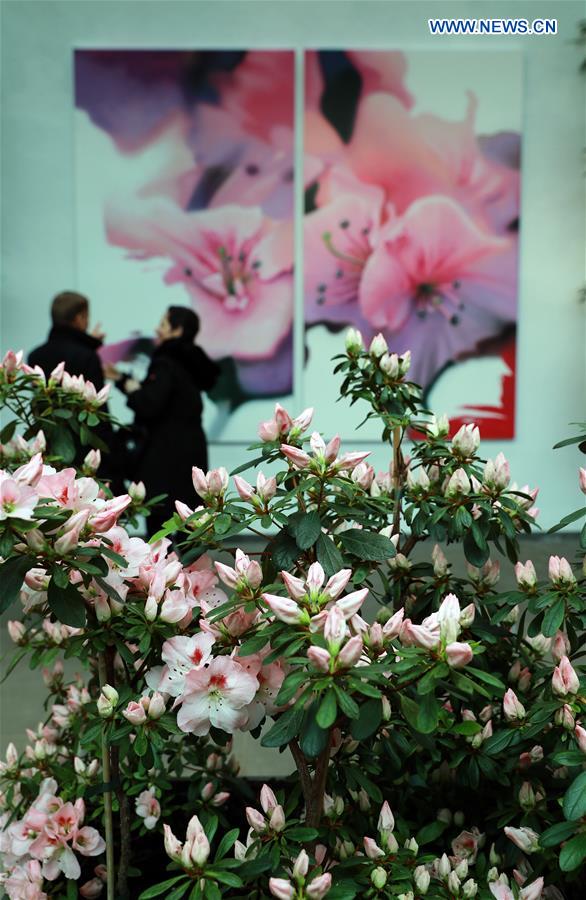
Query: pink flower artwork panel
x,y
412,210
184,183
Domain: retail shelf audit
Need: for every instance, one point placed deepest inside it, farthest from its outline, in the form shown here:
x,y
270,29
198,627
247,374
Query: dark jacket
x,y
77,349
168,408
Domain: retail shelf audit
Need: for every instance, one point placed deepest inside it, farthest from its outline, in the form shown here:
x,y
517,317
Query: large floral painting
x,y
412,218
184,194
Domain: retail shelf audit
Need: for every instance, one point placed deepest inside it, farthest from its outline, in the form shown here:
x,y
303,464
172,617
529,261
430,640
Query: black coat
x,y
168,408
77,349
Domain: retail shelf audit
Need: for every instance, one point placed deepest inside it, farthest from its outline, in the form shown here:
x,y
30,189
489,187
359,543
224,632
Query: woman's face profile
x,y
165,330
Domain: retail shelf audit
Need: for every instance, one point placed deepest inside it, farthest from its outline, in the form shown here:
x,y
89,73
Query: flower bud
x,y
281,888
440,563
466,441
512,707
458,484
453,883
301,866
107,701
422,879
137,491
525,838
135,713
319,887
17,631
378,877
580,735
565,718
156,706
526,796
469,889
353,342
255,819
277,819
378,346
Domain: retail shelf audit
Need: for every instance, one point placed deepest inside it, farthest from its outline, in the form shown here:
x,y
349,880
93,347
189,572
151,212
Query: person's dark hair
x,y
66,306
183,317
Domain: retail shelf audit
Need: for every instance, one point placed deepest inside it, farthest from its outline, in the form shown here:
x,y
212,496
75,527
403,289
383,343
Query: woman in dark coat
x,y
168,408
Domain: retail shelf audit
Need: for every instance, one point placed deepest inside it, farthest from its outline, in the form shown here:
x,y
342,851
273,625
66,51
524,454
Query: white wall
x,y
38,227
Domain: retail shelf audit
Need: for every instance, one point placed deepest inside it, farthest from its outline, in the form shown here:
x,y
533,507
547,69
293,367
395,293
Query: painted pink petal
x,y
382,70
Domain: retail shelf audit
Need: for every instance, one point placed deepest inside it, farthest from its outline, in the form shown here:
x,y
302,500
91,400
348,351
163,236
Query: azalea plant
x,y
436,726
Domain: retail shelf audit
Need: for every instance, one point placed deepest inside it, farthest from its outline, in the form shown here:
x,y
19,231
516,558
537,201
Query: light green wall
x,y
38,228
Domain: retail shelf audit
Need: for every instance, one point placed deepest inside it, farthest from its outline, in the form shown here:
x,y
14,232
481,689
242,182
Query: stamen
x,y
327,239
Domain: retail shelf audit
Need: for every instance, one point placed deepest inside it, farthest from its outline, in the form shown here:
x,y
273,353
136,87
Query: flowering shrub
x,y
436,725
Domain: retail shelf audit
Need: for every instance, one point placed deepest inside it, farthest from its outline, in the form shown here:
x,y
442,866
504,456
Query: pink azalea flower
x,y
148,808
183,654
235,264
439,283
215,696
17,501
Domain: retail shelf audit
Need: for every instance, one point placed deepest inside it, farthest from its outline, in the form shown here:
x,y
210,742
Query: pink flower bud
x,y
319,887
135,713
582,479
418,636
458,484
268,800
332,448
560,571
560,646
277,819
297,457
200,849
466,441
255,819
526,575
16,630
363,475
281,889
335,628
269,431
320,658
565,718
245,490
156,706
580,735
337,583
107,517
440,563
137,491
301,866
183,510
532,891
458,655
386,820
392,626
217,481
92,460
353,342
351,603
525,838
199,481
302,422
350,460
91,889
285,609
467,616
266,488
378,346
512,707
372,849
350,653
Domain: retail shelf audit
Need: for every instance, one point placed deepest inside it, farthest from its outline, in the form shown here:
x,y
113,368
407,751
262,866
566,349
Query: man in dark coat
x,y
69,340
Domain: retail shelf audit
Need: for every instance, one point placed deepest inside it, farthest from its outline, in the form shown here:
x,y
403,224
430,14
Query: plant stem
x,y
107,776
397,472
319,785
303,769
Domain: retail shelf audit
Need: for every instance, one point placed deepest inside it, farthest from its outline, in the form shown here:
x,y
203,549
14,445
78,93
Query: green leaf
x,y
158,889
467,728
212,891
8,431
140,745
346,703
474,554
410,710
222,523
225,877
313,739
328,555
487,678
66,604
574,805
227,843
366,545
559,832
569,519
430,832
290,686
283,550
307,530
553,618
285,728
577,439
301,834
12,574
253,645
573,853
61,443
369,718
428,715
328,710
